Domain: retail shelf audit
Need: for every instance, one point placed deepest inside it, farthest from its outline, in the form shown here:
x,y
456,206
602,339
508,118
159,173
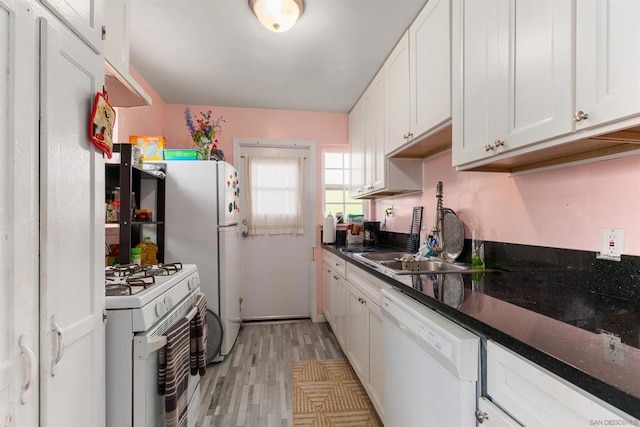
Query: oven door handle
x,y
145,347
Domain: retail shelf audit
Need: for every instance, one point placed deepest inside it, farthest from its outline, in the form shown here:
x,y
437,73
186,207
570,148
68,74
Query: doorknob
x,y
481,416
245,232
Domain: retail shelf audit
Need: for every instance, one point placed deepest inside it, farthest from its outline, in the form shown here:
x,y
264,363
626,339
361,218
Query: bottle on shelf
x,y
149,251
115,205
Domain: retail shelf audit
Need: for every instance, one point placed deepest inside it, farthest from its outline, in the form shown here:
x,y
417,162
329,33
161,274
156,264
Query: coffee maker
x,y
371,229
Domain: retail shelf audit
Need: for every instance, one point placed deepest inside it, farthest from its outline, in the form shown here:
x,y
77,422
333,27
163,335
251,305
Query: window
x,y
336,185
275,195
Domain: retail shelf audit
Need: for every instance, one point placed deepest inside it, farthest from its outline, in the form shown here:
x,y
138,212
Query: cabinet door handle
x,y
31,368
410,135
481,416
498,143
489,147
580,116
58,334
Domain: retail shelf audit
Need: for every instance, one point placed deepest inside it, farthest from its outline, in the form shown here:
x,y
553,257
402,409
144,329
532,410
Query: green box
x,y
180,154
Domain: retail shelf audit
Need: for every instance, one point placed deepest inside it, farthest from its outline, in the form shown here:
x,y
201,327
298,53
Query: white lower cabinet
x,y
353,307
535,397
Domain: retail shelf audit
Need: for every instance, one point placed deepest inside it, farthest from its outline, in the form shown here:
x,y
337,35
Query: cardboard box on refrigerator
x,y
152,146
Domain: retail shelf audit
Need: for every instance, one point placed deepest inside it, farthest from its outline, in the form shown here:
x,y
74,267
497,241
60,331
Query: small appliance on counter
x,y
371,230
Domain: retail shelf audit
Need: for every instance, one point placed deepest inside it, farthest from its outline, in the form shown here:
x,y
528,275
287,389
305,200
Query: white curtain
x,y
275,195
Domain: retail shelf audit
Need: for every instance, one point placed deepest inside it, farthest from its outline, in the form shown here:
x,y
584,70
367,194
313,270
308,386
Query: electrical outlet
x,y
612,244
612,347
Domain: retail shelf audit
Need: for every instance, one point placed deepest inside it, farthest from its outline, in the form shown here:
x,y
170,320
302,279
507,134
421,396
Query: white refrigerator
x,y
201,223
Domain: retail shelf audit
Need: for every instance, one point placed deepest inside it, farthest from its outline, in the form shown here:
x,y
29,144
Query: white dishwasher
x,y
430,366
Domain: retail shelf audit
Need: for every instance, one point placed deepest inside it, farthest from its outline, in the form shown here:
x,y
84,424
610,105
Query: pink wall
x,y
141,120
563,208
328,130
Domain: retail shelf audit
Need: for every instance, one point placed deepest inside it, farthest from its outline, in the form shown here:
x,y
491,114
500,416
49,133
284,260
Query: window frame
x,y
344,187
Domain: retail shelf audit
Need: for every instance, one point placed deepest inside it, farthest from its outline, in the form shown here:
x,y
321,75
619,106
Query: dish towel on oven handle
x,y
173,373
198,358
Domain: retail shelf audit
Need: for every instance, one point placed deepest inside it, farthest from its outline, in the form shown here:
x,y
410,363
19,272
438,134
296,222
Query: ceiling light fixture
x,y
277,15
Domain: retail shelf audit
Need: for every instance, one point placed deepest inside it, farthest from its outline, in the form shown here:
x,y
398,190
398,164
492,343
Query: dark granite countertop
x,y
564,329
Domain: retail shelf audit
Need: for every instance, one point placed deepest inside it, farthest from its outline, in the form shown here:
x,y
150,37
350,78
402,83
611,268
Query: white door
x,y
277,271
18,217
71,235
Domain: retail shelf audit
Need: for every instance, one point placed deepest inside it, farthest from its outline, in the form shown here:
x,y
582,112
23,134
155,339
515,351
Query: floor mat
x,y
328,393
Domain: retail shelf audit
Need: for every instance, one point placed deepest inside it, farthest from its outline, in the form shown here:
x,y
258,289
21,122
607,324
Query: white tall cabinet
x,y
51,215
19,333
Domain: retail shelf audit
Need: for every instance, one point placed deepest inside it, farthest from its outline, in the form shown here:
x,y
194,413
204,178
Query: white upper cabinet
x,y
418,73
374,119
514,85
357,149
396,70
430,67
83,17
607,61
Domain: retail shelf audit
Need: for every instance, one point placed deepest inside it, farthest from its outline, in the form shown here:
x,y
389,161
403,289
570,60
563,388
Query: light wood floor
x,y
252,386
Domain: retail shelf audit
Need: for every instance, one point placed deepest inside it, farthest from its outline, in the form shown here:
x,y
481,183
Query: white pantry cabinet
x,y
513,62
84,17
72,182
607,61
51,214
19,329
535,397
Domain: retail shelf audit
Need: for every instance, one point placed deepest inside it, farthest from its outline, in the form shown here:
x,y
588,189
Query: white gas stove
x,y
142,304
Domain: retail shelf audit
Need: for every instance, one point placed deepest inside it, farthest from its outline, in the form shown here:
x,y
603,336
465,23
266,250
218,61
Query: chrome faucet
x,y
438,230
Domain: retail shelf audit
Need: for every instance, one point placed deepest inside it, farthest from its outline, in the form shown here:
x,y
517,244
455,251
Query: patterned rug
x,y
328,393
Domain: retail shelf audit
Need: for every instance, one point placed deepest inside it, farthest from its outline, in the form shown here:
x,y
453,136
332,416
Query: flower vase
x,y
204,149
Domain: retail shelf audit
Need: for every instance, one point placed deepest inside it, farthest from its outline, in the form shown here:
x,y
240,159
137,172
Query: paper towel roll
x,y
328,229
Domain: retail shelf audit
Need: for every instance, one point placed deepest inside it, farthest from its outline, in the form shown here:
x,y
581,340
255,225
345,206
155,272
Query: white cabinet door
x,y
376,356
396,69
84,17
492,416
430,67
19,404
479,97
515,87
357,149
358,335
374,112
116,47
327,278
607,60
379,140
540,72
71,235
341,304
534,397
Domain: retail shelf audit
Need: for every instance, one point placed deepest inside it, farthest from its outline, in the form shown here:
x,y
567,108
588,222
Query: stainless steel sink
x,y
390,262
423,266
381,256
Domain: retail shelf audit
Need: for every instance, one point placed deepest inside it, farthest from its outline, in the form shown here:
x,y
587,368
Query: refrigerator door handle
x,y
245,232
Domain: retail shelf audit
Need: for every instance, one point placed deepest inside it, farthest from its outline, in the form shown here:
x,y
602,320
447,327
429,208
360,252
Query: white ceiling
x,y
215,52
